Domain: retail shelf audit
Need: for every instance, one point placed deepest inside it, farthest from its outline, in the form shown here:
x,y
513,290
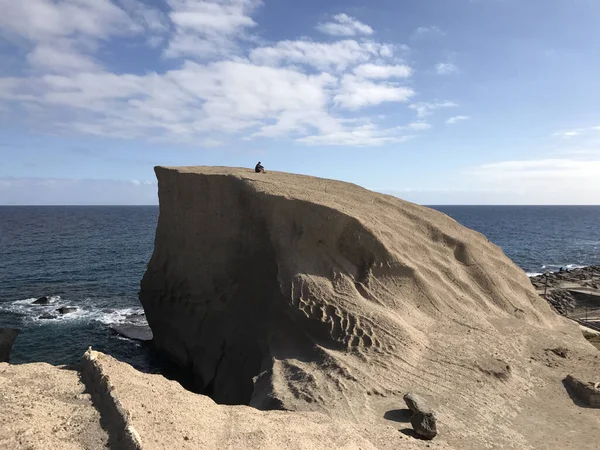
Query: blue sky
x,y
436,101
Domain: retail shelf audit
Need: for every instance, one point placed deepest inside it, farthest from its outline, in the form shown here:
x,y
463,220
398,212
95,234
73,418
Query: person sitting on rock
x,y
259,168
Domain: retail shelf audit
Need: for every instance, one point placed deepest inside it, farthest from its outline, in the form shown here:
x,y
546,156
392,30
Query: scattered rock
x,y
588,393
66,309
559,351
423,418
136,332
7,339
496,368
562,300
41,301
47,316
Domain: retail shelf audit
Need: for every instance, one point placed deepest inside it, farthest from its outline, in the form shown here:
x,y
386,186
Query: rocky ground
x,y
586,277
46,407
573,293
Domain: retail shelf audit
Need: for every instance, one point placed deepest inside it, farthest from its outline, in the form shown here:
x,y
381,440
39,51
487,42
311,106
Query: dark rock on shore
x,y
66,309
559,284
580,276
562,300
41,301
7,339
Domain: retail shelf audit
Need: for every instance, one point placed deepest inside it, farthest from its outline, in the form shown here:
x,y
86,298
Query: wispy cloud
x,y
61,191
334,56
355,93
547,173
344,25
419,126
222,82
428,31
375,71
446,69
578,132
424,109
457,119
209,27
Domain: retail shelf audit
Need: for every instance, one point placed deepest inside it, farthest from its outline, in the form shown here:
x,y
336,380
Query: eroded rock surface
x,y
289,292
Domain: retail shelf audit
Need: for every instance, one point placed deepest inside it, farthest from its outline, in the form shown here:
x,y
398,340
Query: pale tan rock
x,y
286,291
44,407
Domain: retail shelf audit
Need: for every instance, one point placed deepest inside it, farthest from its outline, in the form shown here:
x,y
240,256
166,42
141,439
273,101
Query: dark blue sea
x,y
93,258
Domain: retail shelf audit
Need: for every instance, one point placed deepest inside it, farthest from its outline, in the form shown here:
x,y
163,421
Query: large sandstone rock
x,y
7,340
291,292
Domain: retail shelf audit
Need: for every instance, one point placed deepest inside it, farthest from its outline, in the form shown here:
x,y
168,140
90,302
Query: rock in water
x,y
66,309
287,291
135,332
7,339
47,316
41,301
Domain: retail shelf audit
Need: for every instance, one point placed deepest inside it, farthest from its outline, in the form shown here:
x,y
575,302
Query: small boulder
x,y
41,301
424,424
66,309
7,339
587,393
423,418
416,403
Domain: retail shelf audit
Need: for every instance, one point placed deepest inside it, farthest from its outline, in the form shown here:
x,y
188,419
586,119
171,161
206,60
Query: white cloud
x,y
344,25
362,136
419,126
355,93
424,109
60,58
446,68
145,16
546,176
40,20
374,71
57,191
303,89
337,55
567,134
425,31
63,35
456,119
209,27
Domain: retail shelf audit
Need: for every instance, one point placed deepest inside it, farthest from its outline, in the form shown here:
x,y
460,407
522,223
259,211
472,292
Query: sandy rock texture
x,y
290,292
45,407
164,415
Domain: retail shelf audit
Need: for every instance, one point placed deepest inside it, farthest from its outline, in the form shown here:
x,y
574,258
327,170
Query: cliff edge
x,y
283,291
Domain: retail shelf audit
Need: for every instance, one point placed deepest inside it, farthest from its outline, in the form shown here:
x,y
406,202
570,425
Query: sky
x,y
434,101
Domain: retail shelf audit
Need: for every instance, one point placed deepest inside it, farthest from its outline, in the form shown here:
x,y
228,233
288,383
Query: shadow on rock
x,y
398,415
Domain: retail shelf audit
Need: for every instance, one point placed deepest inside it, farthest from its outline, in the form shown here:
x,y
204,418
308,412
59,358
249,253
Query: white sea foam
x,y
555,268
85,312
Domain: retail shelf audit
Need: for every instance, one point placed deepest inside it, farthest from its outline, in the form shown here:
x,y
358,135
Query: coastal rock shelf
x,y
289,292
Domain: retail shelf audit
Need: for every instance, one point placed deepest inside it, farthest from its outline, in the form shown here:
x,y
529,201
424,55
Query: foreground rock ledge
x,y
291,292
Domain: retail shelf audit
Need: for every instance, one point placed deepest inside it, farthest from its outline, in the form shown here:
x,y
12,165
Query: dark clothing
x,y
259,168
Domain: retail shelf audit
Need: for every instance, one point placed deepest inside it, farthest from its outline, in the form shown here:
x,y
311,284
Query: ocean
x,y
93,258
